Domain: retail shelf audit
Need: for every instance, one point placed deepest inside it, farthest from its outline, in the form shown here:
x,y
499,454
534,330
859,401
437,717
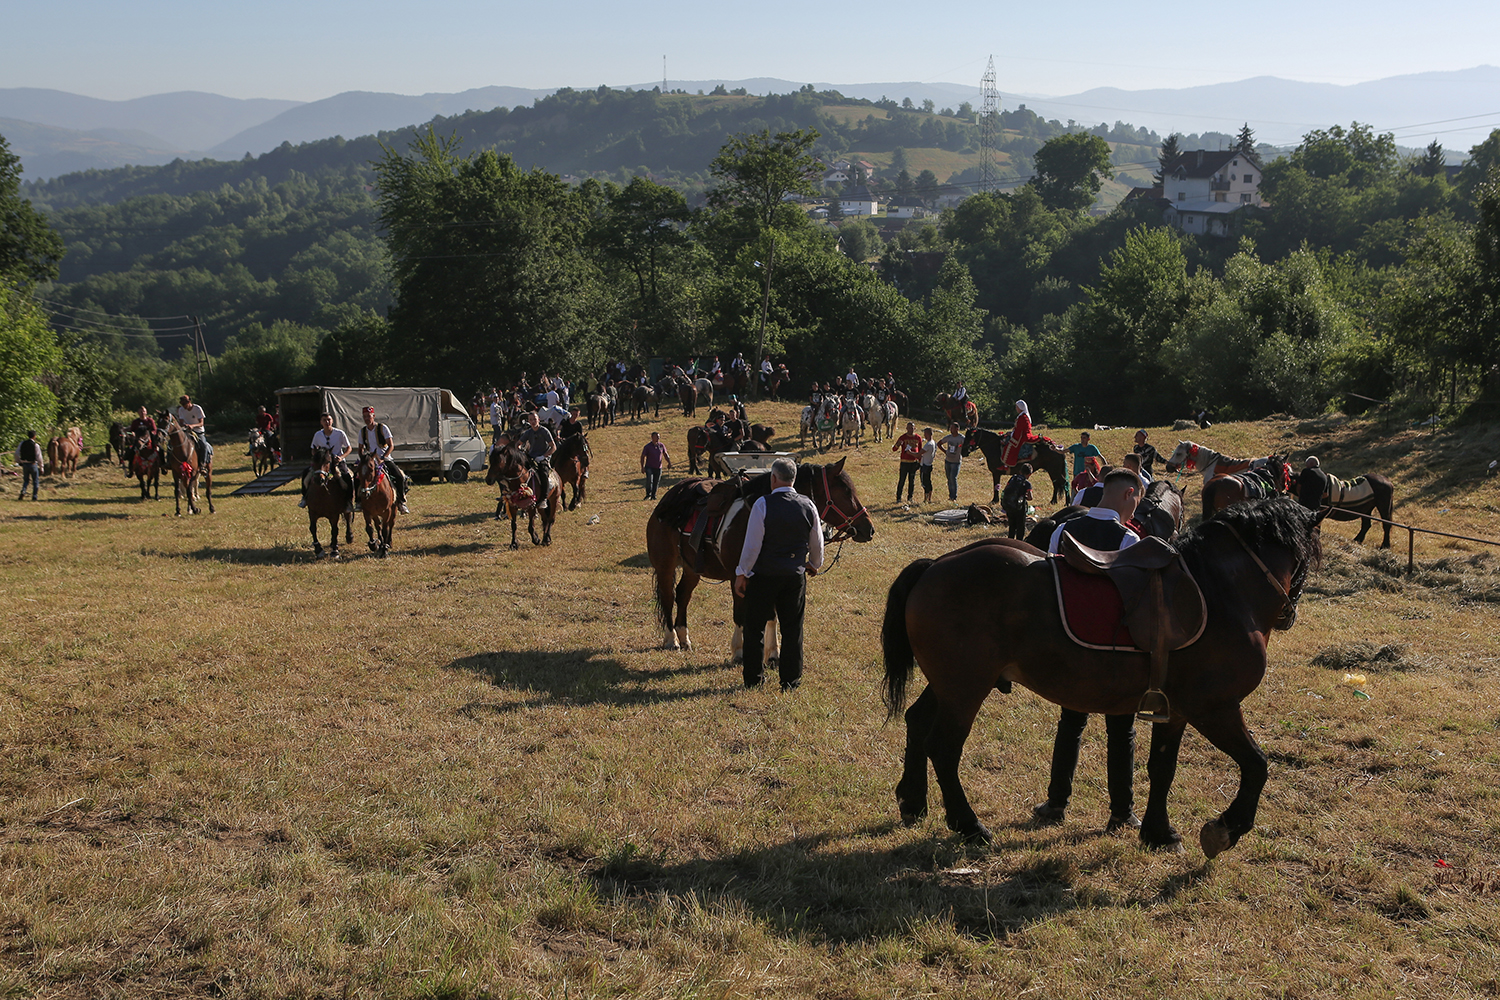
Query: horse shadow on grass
x,y
580,677
816,884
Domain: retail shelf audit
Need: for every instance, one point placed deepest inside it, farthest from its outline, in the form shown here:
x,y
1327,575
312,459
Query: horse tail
x,y
894,641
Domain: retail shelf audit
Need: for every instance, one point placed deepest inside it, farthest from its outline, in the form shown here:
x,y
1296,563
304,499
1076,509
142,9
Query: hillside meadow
x,y
232,770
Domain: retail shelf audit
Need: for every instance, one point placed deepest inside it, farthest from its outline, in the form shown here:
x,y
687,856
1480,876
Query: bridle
x,y
841,527
1289,596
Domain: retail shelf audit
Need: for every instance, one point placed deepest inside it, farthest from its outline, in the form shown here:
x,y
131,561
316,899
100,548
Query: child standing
x,y
1016,499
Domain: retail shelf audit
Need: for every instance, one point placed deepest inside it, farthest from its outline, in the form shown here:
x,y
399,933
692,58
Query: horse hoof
x,y
373,546
1215,838
515,545
383,553
1171,843
979,834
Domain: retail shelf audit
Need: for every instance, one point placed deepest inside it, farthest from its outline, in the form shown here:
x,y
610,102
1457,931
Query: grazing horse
x,y
1191,457
1349,500
1250,563
118,443
963,412
762,433
831,490
377,500
1252,484
328,498
571,462
1047,456
182,459
523,493
146,463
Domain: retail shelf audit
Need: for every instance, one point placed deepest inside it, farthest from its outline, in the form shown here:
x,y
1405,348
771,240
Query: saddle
x,y
711,511
1162,605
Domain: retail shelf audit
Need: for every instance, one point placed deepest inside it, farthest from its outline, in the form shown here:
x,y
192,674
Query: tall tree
x,y
1433,162
1167,158
1246,142
28,352
756,171
1070,170
29,249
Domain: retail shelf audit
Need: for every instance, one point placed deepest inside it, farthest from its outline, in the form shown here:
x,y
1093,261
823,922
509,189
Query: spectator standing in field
x,y
783,546
952,448
497,419
29,458
1082,452
1149,456
910,447
1103,527
653,455
929,451
1015,500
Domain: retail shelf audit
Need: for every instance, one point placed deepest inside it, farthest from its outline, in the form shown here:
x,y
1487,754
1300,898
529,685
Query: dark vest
x,y
789,521
1092,496
1096,534
31,452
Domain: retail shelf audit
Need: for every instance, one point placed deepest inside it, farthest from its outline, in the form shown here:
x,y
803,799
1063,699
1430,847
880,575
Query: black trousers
x,y
785,599
908,476
1015,517
1119,760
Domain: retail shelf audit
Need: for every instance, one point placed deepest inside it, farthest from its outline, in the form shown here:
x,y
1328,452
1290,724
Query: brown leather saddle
x,y
701,527
1164,608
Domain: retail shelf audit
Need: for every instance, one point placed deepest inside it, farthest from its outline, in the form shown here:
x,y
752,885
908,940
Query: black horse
x,y
1349,500
1047,457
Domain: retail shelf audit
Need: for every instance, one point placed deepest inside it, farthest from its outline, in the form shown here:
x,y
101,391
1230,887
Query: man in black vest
x,y
783,546
1101,528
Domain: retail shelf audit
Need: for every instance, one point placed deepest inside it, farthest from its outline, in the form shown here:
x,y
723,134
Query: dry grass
x,y
463,772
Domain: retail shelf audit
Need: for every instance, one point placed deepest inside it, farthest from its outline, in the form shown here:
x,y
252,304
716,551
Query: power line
x,y
64,307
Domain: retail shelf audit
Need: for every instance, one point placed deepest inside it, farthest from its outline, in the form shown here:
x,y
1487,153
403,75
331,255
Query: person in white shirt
x,y
336,442
190,416
375,439
497,417
852,378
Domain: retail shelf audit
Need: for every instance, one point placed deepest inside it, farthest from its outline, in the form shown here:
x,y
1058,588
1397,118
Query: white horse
x,y
874,413
852,425
705,390
892,415
1191,457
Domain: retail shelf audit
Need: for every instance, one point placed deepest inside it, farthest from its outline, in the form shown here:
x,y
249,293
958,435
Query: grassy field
x,y
232,770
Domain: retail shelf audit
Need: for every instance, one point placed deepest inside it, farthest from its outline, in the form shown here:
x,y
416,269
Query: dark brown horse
x,y
1047,457
1251,563
146,463
377,501
963,412
1251,484
571,462
1161,513
524,493
1349,500
328,498
262,458
703,445
831,490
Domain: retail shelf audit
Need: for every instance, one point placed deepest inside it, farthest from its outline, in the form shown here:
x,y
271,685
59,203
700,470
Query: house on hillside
x,y
859,201
1206,190
950,197
835,176
905,208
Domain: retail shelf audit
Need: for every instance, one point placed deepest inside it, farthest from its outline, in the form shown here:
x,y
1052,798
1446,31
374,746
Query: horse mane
x,y
568,447
1276,520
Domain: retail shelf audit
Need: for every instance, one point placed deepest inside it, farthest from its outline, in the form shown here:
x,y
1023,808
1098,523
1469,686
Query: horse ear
x,y
838,466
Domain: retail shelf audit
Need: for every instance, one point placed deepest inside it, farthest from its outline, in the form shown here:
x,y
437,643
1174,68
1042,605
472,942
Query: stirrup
x,y
1154,707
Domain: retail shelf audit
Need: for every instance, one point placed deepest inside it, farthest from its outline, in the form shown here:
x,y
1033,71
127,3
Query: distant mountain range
x,y
56,132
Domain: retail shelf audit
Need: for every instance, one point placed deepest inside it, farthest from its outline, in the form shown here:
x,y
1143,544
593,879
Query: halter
x,y
1289,598
841,529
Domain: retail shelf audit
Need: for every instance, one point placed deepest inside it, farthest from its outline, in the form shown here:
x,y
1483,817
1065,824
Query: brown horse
x,y
64,452
1047,457
262,458
1251,484
1250,562
377,500
182,459
328,497
703,445
522,488
962,412
571,462
146,463
831,490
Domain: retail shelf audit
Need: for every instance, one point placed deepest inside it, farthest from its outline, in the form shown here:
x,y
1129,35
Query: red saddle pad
x,y
1091,608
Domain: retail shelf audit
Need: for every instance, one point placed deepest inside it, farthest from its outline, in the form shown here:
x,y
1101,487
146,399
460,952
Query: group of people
x,y
375,439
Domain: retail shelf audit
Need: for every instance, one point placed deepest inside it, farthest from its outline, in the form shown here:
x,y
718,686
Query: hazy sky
x,y
308,50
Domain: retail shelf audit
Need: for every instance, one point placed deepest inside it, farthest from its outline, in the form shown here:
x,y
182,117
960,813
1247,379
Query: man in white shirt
x,y
497,417
783,546
190,416
1103,527
336,442
375,439
851,378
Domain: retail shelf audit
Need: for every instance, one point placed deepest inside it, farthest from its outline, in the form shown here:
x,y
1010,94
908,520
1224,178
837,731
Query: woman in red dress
x,y
1019,435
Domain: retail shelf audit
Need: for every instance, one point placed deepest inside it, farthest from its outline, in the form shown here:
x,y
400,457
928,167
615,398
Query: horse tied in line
x,y
1250,563
699,527
377,501
328,498
182,458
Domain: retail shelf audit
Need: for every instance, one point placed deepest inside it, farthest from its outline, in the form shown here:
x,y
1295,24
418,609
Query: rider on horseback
x,y
1019,435
142,425
190,416
336,443
375,439
539,444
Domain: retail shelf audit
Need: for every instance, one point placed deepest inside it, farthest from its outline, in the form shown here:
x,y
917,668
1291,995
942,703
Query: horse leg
x,y
995,475
514,515
911,790
531,527
370,532
772,646
1161,767
1226,730
348,526
208,487
549,518
946,743
683,595
1364,528
312,529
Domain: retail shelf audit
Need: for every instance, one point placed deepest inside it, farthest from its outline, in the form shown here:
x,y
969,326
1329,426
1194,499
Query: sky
x,y
310,49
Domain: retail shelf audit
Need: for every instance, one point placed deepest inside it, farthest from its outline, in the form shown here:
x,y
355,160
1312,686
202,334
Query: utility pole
x,y
765,305
200,352
989,127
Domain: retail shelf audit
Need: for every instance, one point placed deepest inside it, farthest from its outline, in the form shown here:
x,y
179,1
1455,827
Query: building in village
x,y
1205,192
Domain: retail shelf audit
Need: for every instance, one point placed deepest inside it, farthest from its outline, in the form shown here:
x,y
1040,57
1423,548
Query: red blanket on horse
x,y
1092,610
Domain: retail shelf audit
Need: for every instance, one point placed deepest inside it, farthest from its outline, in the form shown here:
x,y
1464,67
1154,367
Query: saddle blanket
x,y
1028,448
1092,610
717,525
1342,492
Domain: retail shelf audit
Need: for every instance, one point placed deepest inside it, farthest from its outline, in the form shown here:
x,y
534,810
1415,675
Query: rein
x,y
841,529
1287,601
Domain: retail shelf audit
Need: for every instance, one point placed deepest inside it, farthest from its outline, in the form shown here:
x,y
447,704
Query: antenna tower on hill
x,y
989,127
